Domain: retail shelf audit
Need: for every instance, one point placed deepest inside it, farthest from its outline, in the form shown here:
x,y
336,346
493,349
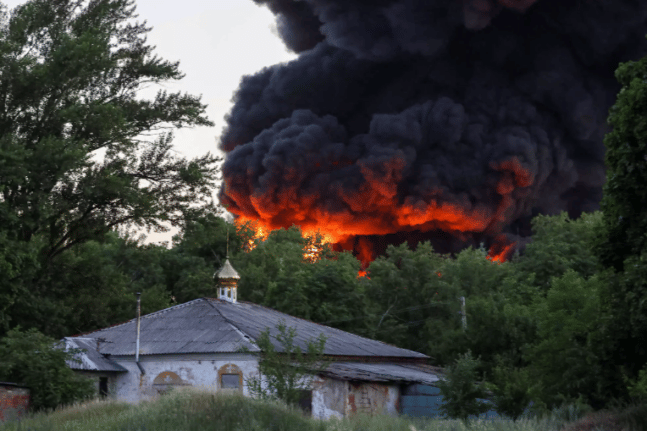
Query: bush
x,y
511,389
32,359
637,388
460,391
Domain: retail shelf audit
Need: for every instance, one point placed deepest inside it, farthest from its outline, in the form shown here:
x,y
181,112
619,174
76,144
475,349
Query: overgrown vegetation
x,y
286,372
189,409
30,358
462,395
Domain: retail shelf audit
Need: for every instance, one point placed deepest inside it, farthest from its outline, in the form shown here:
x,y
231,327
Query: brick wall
x,y
14,401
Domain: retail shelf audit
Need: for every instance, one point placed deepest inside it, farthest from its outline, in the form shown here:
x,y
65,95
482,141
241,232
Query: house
x,y
210,343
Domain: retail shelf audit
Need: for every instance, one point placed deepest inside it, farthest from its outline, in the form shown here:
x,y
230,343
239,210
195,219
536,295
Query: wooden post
x,y
463,314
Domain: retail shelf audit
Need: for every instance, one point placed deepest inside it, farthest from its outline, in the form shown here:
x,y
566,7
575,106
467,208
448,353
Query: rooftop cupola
x,y
228,282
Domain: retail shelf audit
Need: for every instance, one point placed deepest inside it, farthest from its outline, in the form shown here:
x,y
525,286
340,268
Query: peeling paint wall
x,y
338,398
372,398
166,371
329,398
14,402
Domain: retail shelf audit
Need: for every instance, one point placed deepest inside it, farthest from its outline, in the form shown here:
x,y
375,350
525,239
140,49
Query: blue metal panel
x,y
420,389
425,401
421,405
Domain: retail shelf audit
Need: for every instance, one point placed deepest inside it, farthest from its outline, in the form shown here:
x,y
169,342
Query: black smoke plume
x,y
455,121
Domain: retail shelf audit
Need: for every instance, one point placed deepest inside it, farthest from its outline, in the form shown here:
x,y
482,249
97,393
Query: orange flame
x,y
501,250
377,210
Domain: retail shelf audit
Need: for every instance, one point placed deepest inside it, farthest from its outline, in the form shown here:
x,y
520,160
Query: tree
x,y
285,373
80,152
560,243
323,287
462,396
406,292
624,203
622,242
32,359
512,390
568,322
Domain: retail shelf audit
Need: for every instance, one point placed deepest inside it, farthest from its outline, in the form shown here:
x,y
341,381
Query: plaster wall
x,y
339,398
200,371
329,398
95,376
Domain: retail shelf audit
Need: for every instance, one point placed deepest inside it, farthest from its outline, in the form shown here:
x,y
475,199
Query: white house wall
x,y
196,370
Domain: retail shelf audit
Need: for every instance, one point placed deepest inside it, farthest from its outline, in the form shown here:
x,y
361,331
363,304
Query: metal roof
x,y
384,372
91,359
227,271
208,325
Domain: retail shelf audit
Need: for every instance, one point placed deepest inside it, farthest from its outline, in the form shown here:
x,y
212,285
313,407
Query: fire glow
x,y
449,121
377,214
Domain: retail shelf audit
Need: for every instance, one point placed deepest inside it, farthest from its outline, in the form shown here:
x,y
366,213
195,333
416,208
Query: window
x,y
167,380
230,378
229,381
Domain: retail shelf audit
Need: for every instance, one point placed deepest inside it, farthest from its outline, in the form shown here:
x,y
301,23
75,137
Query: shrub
x,y
286,373
511,389
32,359
460,391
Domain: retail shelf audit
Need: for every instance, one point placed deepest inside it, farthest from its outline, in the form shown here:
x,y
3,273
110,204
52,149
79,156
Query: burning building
x,y
454,121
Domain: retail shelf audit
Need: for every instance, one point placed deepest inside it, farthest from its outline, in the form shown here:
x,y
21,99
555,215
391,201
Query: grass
x,y
191,409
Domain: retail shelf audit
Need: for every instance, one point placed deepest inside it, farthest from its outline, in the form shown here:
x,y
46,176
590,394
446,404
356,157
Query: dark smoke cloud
x,y
452,120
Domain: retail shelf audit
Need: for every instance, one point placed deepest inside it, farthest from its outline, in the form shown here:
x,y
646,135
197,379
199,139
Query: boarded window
x,y
230,381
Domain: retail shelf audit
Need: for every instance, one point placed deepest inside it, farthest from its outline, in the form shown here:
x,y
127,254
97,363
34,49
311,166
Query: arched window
x,y
230,378
167,380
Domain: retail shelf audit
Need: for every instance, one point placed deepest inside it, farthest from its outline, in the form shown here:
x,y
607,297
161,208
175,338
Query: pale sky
x,y
216,42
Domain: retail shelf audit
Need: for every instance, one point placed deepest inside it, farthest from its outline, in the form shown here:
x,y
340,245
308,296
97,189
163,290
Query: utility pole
x,y
463,314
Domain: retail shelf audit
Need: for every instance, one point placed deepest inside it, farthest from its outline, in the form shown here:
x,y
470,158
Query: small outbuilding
x,y
14,401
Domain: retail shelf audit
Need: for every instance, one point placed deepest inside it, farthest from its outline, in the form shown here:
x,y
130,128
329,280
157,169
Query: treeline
x,y
83,156
537,324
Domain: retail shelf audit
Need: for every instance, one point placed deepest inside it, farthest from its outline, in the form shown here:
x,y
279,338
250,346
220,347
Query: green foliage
x,y
416,304
73,163
30,358
560,244
512,389
190,409
287,371
104,277
568,319
622,242
407,290
461,393
197,253
637,388
324,289
623,203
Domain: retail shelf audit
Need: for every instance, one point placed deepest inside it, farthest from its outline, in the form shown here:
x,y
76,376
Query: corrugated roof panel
x,y
209,325
90,360
254,319
383,372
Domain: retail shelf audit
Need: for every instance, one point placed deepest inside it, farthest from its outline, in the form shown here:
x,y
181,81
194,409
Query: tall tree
x,y
80,152
623,240
625,198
